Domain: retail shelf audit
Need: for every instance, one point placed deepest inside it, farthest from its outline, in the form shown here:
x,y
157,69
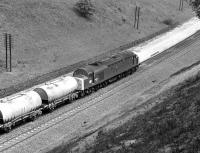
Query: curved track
x,y
8,141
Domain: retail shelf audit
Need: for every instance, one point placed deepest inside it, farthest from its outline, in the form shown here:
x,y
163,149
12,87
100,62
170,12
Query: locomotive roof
x,y
116,57
102,64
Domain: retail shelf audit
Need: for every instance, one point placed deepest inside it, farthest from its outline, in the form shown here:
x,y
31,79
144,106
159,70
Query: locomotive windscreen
x,y
80,72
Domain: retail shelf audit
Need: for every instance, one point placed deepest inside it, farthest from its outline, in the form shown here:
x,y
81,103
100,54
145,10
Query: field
x,y
49,35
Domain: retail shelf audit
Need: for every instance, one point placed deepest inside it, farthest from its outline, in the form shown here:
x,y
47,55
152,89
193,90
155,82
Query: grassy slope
x,y
49,35
173,126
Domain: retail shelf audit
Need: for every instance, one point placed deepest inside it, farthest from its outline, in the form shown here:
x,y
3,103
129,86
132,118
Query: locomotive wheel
x,y
96,88
93,89
119,76
82,94
130,71
106,83
90,90
33,117
87,92
23,120
100,86
76,96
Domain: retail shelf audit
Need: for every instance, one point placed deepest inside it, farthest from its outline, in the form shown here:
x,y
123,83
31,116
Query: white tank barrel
x,y
18,106
162,42
57,89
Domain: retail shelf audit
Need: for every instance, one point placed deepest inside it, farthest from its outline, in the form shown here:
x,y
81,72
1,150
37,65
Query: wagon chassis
x,y
31,116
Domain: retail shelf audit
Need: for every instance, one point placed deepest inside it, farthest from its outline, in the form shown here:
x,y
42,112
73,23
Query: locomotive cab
x,y
90,75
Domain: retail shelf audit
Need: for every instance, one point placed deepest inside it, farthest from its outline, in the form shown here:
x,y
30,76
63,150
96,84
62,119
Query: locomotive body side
x,y
96,73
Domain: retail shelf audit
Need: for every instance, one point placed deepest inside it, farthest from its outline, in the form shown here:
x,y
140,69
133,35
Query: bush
x,y
85,8
168,22
196,6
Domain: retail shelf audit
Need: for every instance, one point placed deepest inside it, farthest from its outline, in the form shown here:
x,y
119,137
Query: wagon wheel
x,y
51,108
130,71
33,117
7,128
75,96
24,120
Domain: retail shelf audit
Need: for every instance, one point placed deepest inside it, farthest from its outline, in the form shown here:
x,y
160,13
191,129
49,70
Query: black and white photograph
x,y
99,76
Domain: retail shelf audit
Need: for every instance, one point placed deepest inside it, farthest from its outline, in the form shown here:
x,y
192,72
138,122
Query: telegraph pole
x,y
180,5
10,46
6,47
137,17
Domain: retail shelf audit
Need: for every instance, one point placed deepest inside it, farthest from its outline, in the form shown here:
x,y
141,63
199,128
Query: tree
x,y
85,8
196,6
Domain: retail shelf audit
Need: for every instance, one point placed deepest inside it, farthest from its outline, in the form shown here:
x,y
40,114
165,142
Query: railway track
x,y
7,142
177,48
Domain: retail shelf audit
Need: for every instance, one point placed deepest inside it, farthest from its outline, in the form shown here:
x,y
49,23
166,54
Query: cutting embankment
x,y
49,35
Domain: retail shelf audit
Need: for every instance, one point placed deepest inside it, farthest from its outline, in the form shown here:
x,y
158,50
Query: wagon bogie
x,y
35,114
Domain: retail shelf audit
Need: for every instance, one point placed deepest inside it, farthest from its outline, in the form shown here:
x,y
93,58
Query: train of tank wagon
x,y
85,80
30,104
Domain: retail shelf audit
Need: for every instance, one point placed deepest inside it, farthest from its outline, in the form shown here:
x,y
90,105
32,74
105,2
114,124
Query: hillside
x,y
49,35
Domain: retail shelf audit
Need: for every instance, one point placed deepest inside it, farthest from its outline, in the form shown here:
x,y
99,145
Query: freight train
x,y
85,80
30,104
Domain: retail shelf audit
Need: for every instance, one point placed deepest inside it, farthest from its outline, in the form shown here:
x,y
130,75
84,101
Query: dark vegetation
x,y
173,126
195,5
168,22
84,8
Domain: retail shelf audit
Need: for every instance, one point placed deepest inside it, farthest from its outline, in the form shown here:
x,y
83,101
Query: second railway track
x,y
16,138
